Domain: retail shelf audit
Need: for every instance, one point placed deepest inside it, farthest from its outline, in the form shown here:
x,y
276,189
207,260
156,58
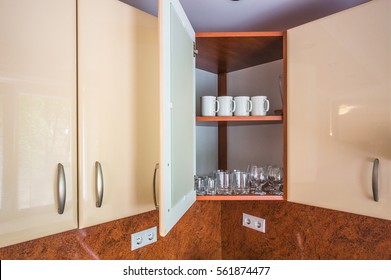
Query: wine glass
x,y
278,181
251,179
263,173
258,178
268,169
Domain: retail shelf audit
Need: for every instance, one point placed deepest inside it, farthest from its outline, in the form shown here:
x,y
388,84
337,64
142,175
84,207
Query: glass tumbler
x,y
210,185
199,186
223,186
240,182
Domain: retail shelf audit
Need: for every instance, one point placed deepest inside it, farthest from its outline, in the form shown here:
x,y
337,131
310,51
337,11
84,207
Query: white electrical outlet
x,y
253,222
143,238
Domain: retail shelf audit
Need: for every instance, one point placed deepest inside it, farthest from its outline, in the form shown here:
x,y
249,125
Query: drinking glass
x,y
250,178
278,181
269,178
258,180
239,180
199,185
223,185
262,173
210,185
252,172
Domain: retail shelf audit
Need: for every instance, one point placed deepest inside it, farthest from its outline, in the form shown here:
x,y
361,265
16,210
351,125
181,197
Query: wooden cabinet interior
x,y
224,52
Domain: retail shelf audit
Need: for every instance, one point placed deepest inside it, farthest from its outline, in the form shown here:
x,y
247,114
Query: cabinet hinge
x,y
195,51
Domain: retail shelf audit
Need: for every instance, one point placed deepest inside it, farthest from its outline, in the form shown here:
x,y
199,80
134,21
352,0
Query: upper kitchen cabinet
x,y
244,64
339,111
218,53
118,110
38,174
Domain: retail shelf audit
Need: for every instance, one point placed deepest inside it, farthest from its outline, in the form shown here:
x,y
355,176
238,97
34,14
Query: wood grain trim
x,y
285,112
222,129
239,34
239,197
239,118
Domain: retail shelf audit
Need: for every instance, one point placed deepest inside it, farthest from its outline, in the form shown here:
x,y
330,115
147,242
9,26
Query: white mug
x,y
261,105
209,106
243,105
227,105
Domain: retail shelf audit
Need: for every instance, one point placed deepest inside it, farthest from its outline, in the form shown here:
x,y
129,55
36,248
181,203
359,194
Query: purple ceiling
x,y
251,15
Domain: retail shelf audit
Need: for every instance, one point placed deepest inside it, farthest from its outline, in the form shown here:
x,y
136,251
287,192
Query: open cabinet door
x,y
177,123
339,111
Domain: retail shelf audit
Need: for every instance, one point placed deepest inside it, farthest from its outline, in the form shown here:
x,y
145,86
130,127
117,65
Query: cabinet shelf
x,y
239,197
240,118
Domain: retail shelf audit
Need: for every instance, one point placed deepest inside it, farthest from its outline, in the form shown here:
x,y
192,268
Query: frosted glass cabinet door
x,y
37,118
339,110
177,94
118,109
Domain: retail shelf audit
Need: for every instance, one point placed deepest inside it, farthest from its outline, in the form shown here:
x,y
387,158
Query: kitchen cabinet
x,y
78,85
339,108
38,171
336,114
218,53
224,54
118,110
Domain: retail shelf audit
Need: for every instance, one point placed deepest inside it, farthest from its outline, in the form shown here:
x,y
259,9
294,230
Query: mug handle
x,y
233,106
217,106
266,105
250,105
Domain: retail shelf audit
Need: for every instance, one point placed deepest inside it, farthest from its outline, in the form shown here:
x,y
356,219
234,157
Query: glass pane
x,y
182,111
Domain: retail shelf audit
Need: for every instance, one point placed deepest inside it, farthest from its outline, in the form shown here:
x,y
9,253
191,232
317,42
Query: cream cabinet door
x,y
37,119
177,94
118,110
339,110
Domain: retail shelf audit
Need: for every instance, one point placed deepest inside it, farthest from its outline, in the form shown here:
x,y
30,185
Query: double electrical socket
x,y
143,238
253,222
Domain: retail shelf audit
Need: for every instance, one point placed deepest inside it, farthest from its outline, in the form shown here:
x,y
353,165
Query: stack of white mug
x,y
234,106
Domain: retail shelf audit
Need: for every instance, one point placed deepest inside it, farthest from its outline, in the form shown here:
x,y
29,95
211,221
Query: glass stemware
x,y
278,181
263,177
269,178
257,178
251,179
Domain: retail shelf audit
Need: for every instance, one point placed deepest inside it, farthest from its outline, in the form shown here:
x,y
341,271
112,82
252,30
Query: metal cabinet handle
x,y
61,188
154,187
375,180
99,184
